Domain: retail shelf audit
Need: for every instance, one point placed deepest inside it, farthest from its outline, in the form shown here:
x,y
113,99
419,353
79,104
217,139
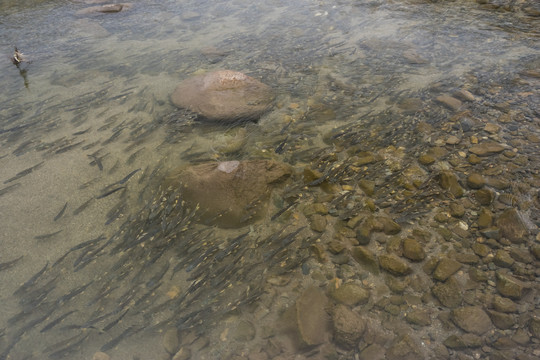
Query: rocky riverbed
x,y
392,191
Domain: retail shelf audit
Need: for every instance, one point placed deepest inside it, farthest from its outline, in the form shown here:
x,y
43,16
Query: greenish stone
x,y
501,320
426,159
484,196
245,331
318,223
534,326
512,226
446,268
472,319
475,181
367,186
350,294
503,304
449,181
509,286
390,227
486,149
441,217
394,265
459,342
418,317
404,347
366,258
413,250
478,275
503,259
448,293
457,209
474,159
485,219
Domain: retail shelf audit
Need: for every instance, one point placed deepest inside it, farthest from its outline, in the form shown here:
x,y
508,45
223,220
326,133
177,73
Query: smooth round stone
x,y
475,181
413,250
472,319
224,96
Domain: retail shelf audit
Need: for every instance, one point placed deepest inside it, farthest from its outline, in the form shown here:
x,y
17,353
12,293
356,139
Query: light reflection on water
x,y
98,86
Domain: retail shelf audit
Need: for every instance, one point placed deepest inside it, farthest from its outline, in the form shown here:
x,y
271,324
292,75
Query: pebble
x,y
446,268
311,316
366,258
449,102
503,304
418,317
350,294
509,286
348,326
245,331
318,223
534,326
464,95
405,347
449,181
394,265
457,209
492,128
486,149
448,293
501,320
413,250
512,226
485,219
503,259
453,140
475,181
367,186
100,356
484,196
171,341
463,341
480,249
373,352
472,319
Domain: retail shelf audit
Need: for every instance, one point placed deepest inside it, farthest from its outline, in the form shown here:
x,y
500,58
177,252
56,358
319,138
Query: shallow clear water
x,y
97,86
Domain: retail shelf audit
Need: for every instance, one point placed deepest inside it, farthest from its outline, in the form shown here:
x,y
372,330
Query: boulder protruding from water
x,y
224,96
229,194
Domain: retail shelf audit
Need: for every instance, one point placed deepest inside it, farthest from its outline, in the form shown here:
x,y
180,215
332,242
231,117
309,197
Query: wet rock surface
x,y
224,96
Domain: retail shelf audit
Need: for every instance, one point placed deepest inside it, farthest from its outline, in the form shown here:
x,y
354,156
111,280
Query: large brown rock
x,y
229,194
311,316
224,95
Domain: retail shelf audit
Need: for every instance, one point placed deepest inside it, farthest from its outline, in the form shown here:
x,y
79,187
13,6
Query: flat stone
x,y
472,319
244,331
457,209
512,226
521,255
492,128
534,326
413,250
394,265
449,102
426,159
446,268
486,149
350,294
510,287
311,316
348,327
448,293
225,96
367,186
481,249
452,140
100,356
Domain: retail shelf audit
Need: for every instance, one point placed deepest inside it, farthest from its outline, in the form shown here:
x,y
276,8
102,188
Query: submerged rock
x,y
311,316
229,194
224,95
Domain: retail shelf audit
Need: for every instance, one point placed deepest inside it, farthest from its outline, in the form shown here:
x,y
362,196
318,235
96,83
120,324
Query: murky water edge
x,y
365,113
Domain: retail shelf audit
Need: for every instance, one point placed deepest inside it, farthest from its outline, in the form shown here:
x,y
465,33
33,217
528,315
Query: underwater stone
x,y
229,194
225,95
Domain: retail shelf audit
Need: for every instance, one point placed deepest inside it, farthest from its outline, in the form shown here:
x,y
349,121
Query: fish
x,y
59,215
133,156
63,352
82,131
9,264
81,208
97,161
24,172
73,293
9,188
56,321
47,236
68,147
116,321
30,282
127,177
110,192
133,329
